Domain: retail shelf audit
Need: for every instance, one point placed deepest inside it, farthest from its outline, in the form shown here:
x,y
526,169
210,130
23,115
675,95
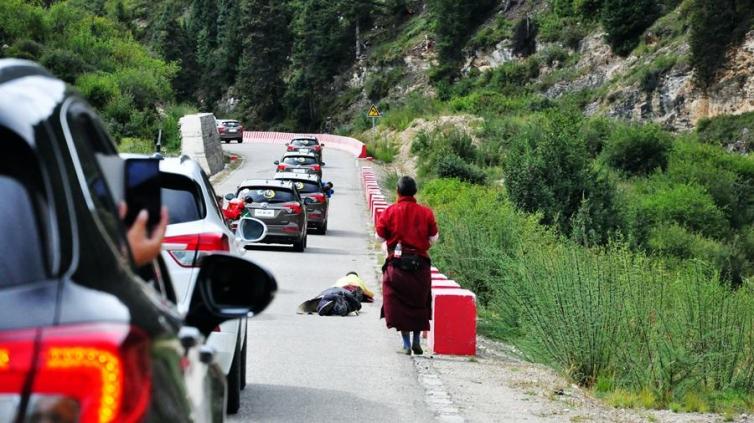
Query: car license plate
x,y
264,213
233,130
304,150
299,170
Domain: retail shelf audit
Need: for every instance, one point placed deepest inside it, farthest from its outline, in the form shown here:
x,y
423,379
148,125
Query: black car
x,y
84,334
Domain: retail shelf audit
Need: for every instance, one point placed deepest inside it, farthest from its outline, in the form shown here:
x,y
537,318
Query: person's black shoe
x,y
326,310
417,349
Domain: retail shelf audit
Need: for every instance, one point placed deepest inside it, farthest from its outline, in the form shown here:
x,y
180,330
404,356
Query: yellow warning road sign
x,y
374,112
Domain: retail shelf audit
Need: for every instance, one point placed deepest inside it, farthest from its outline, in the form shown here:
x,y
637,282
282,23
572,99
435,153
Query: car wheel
x,y
226,141
240,140
323,229
300,245
234,383
243,363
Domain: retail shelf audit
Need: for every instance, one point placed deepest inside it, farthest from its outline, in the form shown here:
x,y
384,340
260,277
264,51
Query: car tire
x,y
240,140
323,229
243,363
300,245
226,141
234,383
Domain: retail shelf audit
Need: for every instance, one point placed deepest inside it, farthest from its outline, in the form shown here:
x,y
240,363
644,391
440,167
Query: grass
x,y
400,116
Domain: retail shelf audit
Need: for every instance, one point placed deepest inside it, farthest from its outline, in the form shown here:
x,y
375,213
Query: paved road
x,y
323,369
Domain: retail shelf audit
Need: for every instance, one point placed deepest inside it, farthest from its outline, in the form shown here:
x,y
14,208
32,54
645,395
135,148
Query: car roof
x,y
271,183
297,176
305,137
29,94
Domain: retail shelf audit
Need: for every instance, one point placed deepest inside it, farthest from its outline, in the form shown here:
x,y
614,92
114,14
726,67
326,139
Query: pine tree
x,y
712,25
264,58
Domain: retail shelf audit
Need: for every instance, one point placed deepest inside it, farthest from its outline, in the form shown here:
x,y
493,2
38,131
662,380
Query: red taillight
x,y
316,168
282,167
317,148
293,208
319,198
291,148
104,368
187,250
221,129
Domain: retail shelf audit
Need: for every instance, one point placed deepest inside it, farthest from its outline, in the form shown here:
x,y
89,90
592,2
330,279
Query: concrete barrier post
x,y
200,141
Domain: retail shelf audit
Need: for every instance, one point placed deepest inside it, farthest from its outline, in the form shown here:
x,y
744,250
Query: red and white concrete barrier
x,y
337,142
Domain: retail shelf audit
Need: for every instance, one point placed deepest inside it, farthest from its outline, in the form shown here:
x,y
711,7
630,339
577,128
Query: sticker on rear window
x,y
268,194
300,159
299,185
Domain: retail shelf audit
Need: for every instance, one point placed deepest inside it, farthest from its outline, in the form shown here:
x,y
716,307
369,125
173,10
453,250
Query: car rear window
x,y
182,198
307,187
303,143
232,124
300,161
267,194
22,253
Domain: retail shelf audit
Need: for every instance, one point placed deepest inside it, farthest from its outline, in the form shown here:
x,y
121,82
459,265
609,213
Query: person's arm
x,y
145,246
434,232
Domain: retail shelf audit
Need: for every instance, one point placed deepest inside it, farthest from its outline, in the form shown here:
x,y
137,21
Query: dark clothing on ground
x,y
407,296
333,302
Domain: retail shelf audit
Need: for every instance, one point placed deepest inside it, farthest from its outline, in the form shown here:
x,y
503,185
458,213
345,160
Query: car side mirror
x,y
251,229
229,287
323,164
276,162
229,196
308,201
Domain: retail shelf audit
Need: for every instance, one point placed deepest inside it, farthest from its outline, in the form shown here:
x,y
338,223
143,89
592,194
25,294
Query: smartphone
x,y
142,180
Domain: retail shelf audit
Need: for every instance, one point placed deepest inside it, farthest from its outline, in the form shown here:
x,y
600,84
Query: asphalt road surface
x,y
307,368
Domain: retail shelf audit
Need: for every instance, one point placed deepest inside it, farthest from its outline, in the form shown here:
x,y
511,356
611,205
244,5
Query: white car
x,y
197,228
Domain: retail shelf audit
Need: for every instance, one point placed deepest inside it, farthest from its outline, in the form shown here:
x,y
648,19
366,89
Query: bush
x,y
400,116
65,65
638,149
452,166
728,129
378,84
382,150
690,205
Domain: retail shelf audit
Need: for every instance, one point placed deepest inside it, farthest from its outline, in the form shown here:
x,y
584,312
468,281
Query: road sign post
x,y
374,113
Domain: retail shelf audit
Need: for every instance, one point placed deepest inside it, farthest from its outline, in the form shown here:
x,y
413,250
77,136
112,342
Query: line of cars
x,y
86,333
291,203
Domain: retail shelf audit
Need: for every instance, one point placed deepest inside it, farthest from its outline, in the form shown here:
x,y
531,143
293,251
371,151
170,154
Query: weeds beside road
x,y
638,331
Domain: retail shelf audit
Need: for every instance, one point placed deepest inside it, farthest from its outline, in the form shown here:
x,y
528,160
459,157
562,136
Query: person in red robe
x,y
408,229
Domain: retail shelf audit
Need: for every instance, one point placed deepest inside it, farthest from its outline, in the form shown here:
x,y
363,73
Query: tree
x,y
625,21
264,58
453,21
715,25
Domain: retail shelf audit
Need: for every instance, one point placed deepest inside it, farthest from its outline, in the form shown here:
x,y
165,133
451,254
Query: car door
x,y
184,388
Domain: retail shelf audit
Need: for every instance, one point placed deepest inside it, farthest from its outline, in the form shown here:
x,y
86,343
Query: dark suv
x,y
317,207
280,206
84,334
306,144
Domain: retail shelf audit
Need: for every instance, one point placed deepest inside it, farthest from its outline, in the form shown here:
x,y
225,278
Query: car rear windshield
x,y
22,253
267,194
307,187
300,161
303,143
232,124
183,199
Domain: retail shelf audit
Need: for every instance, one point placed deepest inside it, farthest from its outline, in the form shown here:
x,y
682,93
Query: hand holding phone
x,y
142,179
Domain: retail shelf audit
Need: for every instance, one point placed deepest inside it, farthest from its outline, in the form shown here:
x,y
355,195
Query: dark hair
x,y
406,186
352,273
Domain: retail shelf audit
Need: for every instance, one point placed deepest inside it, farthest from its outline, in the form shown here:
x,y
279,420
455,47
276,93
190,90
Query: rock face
x,y
200,141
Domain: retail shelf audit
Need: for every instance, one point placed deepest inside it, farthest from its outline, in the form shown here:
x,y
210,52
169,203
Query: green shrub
x,y
65,65
727,129
690,205
452,166
400,116
596,132
382,149
638,149
136,145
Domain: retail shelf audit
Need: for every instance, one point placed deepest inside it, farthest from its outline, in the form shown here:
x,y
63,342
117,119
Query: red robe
x,y
407,304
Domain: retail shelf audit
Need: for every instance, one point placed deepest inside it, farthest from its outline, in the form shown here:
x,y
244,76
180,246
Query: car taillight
x,y
293,208
282,167
317,148
187,250
316,168
220,129
291,148
318,198
99,373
